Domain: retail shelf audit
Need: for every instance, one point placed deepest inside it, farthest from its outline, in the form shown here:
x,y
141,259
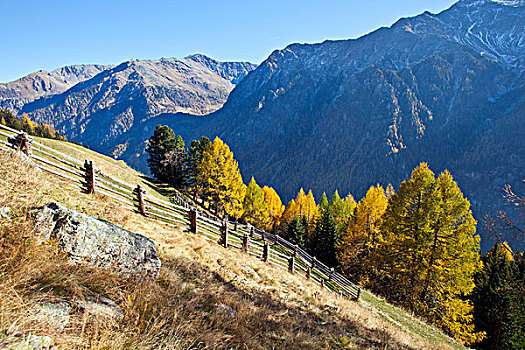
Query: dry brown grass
x,y
180,310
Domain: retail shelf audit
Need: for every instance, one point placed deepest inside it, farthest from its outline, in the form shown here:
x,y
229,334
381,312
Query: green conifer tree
x,y
296,232
194,158
323,203
499,301
173,164
322,242
161,143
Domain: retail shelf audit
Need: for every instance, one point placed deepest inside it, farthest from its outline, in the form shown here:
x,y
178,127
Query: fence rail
x,y
271,248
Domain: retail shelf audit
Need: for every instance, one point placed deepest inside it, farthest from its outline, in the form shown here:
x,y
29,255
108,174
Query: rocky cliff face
x,y
98,110
15,94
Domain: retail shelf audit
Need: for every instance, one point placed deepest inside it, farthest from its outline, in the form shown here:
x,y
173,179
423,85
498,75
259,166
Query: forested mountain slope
x,y
446,89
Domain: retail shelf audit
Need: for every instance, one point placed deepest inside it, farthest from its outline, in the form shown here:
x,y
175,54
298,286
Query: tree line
x,y
27,125
416,246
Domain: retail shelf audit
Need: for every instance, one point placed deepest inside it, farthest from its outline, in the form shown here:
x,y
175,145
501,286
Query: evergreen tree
x,y
47,132
173,164
499,302
254,206
322,242
193,160
341,212
10,120
296,232
323,203
160,144
515,328
430,252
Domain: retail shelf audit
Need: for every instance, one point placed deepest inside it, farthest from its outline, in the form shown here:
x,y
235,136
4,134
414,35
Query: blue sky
x,y
49,34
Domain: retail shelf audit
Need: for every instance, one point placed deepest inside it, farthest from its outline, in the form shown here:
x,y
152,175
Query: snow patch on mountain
x,y
514,3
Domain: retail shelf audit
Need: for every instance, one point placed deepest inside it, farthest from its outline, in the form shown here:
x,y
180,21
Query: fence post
x,y
193,220
90,176
295,250
314,260
224,232
235,227
25,144
331,275
266,252
21,142
276,239
322,283
358,294
291,264
140,199
251,232
308,273
245,243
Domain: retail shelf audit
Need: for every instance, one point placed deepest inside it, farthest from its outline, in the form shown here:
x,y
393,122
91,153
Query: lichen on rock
x,y
98,243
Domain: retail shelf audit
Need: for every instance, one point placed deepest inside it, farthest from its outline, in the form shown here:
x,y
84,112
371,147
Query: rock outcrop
x,y
98,243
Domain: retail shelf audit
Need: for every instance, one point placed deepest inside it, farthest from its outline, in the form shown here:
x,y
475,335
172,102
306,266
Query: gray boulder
x,y
97,243
101,307
55,315
34,342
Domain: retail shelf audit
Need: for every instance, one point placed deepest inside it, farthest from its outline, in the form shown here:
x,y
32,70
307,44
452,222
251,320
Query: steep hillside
x,y
15,94
100,109
445,88
206,296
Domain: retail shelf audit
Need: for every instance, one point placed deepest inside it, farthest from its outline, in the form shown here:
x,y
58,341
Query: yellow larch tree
x,y
430,252
27,124
254,205
310,208
274,206
362,233
303,207
289,213
219,179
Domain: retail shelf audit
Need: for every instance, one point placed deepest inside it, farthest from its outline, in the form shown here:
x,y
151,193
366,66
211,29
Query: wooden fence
x,y
246,238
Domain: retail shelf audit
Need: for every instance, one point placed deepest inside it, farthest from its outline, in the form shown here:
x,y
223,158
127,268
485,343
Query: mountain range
x,y
446,88
107,101
16,94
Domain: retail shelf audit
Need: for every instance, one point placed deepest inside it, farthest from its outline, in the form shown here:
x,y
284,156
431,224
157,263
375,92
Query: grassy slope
x,y
274,309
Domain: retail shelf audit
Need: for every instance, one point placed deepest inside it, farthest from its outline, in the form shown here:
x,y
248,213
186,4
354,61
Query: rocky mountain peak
x,y
13,95
100,109
469,3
